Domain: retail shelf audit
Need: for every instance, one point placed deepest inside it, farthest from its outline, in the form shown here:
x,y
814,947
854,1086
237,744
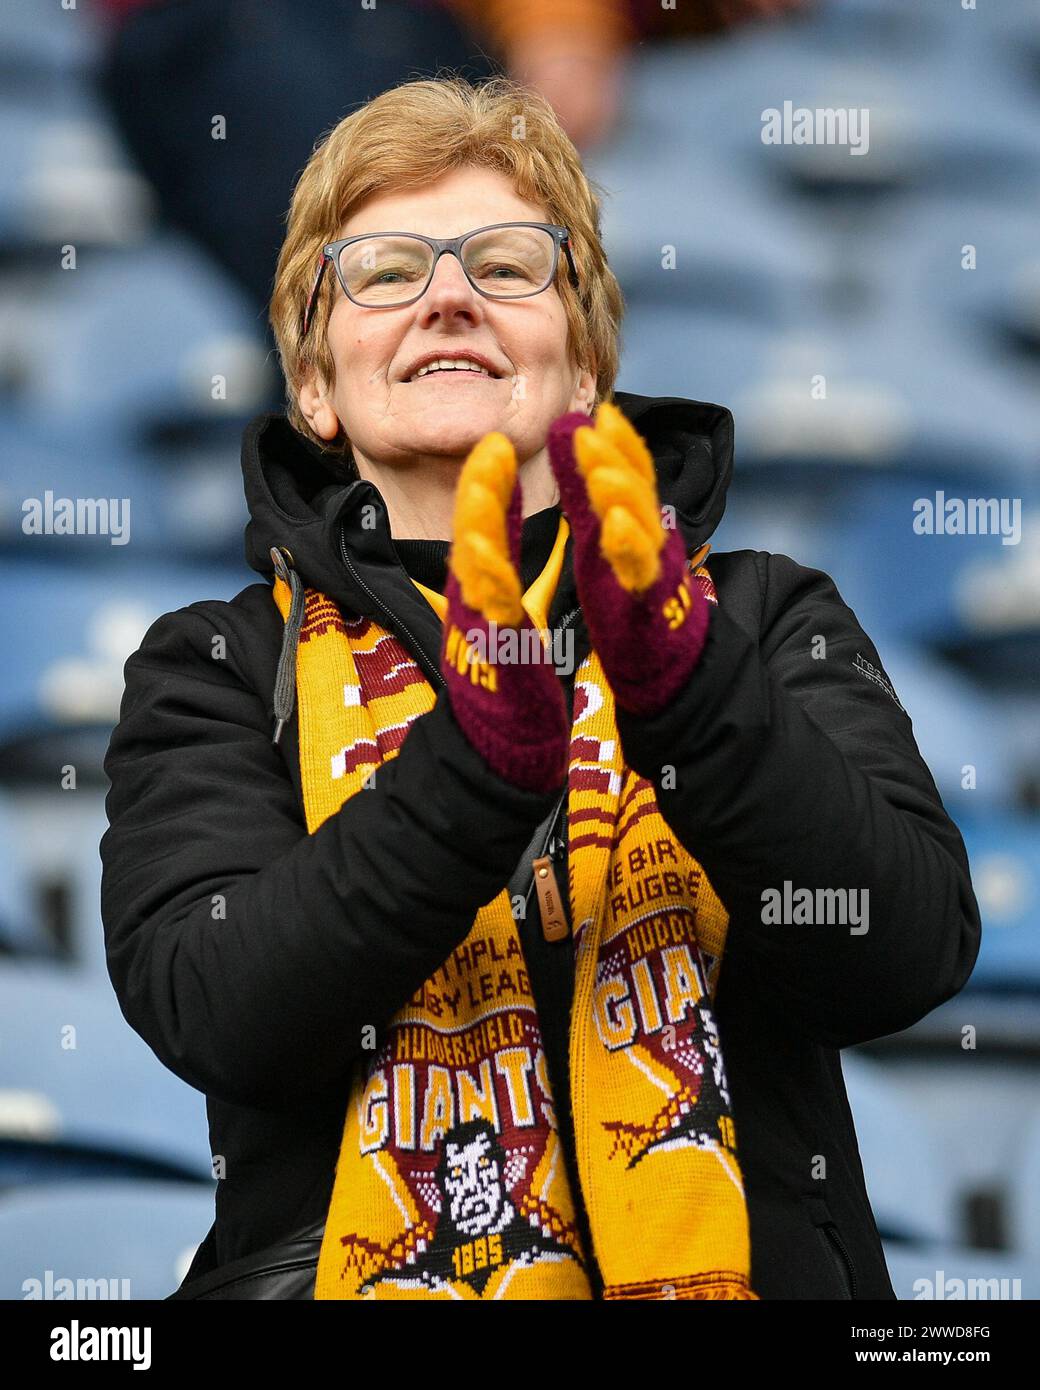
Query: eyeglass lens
x,y
504,262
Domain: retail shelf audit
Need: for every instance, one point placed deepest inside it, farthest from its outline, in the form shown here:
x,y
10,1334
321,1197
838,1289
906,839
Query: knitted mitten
x,y
514,713
647,618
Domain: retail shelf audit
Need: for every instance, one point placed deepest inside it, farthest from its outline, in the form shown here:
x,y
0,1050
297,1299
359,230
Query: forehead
x,y
455,203
474,1149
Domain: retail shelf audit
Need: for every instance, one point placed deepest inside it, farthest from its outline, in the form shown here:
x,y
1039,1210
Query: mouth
x,y
465,368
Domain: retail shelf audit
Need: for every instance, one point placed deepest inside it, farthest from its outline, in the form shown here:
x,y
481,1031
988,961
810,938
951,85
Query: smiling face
x,y
391,420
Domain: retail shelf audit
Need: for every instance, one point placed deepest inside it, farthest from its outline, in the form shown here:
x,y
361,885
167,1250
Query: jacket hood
x,y
298,496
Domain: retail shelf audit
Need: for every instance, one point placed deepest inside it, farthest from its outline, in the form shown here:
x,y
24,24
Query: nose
x,y
450,293
469,1179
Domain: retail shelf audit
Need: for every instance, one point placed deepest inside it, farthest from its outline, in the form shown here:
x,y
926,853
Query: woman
x,y
512,968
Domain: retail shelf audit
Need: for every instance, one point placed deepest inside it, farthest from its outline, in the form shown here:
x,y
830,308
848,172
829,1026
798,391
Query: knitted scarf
x,y
451,1182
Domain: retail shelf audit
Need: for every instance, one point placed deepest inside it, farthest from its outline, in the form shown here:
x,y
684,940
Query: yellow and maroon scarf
x,y
451,1181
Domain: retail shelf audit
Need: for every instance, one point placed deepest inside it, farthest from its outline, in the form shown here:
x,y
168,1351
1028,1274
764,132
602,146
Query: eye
x,y
498,270
392,275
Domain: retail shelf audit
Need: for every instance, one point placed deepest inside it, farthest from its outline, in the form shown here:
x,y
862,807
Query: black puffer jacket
x,y
788,769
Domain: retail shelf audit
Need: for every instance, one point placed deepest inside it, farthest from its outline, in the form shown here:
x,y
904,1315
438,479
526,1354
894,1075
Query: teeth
x,y
450,364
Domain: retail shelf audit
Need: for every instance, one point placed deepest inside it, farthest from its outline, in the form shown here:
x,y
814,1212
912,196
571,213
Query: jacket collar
x,y
335,525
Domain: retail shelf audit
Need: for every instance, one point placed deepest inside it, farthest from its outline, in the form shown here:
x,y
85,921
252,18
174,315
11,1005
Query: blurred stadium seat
x,y
66,674
101,1233
19,934
1024,1199
1004,853
909,1190
104,352
72,1070
947,1272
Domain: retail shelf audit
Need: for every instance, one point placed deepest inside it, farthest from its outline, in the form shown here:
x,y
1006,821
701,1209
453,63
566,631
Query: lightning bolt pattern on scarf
x,y
451,1181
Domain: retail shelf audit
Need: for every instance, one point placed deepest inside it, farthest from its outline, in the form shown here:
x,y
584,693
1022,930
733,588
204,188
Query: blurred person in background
x,y
470,955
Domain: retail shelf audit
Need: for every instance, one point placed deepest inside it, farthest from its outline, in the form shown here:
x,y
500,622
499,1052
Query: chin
x,y
451,435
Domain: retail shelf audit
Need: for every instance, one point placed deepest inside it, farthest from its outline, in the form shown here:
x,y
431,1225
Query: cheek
x,y
362,354
535,336
551,345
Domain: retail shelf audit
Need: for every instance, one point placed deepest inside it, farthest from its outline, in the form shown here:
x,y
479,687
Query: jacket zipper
x,y
838,1244
394,621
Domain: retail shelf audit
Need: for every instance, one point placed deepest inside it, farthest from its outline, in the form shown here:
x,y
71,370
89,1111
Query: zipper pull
x,y
550,904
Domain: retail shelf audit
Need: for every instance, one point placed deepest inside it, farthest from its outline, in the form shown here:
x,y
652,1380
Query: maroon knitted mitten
x,y
646,616
513,712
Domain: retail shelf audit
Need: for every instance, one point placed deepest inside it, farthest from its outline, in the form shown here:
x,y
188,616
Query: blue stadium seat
x,y
66,673
1004,855
904,1168
909,66
73,1069
100,1233
56,836
963,263
183,499
704,355
64,182
45,472
39,44
141,335
899,393
729,245
996,632
1024,1192
26,1161
918,574
952,1272
20,932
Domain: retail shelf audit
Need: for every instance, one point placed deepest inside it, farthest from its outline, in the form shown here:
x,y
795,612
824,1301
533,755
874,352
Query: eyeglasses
x,y
386,270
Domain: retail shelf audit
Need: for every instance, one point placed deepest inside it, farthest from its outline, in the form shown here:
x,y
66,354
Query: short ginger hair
x,y
409,136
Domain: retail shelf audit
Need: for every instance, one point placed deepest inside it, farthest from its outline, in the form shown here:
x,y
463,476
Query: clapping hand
x,y
646,615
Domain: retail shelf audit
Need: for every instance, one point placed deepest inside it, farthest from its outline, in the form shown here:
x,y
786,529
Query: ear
x,y
316,407
584,394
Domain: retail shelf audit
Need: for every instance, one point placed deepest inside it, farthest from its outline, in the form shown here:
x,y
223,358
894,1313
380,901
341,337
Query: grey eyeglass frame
x,y
441,246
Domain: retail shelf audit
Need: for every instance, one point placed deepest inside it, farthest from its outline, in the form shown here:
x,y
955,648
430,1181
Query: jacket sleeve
x,y
248,954
799,766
